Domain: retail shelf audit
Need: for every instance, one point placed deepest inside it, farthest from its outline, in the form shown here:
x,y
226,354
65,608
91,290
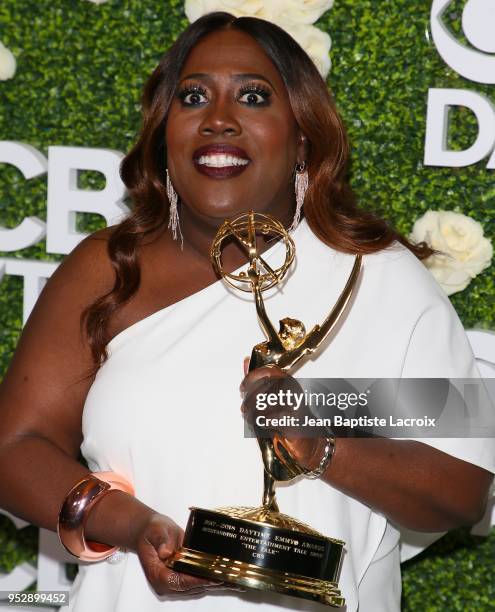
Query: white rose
x,y
315,42
197,8
290,11
466,251
7,63
296,11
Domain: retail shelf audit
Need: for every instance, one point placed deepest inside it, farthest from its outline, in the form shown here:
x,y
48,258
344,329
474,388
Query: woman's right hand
x,y
156,541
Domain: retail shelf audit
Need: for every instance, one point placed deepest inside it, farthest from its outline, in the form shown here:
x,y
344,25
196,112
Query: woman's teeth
x,y
221,161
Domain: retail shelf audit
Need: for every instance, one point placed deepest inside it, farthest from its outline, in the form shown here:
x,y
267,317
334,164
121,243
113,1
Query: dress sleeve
x,y
439,348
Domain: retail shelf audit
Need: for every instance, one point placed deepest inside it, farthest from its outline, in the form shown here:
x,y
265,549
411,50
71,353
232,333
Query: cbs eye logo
x,y
478,24
476,63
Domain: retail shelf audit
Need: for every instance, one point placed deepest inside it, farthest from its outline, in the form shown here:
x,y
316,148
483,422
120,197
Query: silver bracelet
x,y
117,556
325,460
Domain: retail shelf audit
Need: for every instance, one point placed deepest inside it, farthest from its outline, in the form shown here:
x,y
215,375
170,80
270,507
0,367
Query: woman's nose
x,y
219,119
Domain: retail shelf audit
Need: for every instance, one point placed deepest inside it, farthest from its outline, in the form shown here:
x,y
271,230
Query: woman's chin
x,y
217,213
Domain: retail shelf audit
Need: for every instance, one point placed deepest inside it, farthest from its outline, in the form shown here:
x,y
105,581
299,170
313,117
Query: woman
x,y
231,112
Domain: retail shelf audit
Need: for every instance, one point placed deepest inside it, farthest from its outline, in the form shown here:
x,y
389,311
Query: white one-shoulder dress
x,y
164,411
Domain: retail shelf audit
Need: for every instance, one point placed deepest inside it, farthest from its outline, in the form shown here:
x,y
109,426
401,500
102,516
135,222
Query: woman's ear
x,y
302,152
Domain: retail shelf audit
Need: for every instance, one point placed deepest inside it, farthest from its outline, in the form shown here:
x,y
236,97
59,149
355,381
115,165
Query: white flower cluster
x,y
295,16
467,251
7,63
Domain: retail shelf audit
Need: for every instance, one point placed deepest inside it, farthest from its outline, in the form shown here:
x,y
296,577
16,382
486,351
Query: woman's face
x,y
232,139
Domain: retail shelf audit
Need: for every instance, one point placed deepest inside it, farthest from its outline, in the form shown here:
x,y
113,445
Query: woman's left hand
x,y
256,386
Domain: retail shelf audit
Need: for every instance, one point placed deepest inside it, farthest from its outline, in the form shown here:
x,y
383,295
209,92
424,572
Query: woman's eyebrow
x,y
243,76
196,75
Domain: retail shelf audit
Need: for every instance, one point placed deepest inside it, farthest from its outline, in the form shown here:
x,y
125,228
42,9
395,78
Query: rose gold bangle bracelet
x,y
75,510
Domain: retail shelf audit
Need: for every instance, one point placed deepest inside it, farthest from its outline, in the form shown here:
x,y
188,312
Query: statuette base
x,y
289,557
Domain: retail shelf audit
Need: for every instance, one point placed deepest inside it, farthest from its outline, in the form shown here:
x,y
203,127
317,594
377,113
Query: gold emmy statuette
x,y
261,548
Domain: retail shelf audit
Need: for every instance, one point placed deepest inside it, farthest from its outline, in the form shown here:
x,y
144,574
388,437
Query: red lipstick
x,y
220,160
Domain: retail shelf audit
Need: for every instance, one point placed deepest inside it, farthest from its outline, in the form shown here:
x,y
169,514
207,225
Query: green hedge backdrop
x,y
81,68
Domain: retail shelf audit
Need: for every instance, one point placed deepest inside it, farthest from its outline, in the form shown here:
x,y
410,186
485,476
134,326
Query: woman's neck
x,y
199,234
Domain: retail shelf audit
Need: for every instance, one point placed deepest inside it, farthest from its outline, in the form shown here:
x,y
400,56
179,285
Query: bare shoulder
x,y
82,277
45,387
53,328
87,270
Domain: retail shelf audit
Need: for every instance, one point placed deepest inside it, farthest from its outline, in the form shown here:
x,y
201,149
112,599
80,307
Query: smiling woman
x,y
235,118
240,114
243,88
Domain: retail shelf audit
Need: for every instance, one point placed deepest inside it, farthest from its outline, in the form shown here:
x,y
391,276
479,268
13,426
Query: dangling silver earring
x,y
301,183
173,219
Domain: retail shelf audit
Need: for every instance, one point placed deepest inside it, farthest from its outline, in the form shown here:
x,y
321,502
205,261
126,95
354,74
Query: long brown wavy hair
x,y
330,206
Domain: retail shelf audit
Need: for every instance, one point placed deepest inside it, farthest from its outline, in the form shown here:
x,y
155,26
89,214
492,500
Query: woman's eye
x,y
192,96
254,96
